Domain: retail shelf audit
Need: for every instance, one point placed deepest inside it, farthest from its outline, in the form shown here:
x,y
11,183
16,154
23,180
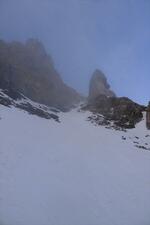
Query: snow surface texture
x,y
71,173
29,106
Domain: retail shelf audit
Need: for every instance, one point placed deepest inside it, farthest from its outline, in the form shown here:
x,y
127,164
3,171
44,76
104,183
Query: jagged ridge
x,y
28,69
23,103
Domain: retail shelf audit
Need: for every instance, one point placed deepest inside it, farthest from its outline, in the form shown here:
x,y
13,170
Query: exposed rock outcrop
x,y
23,103
122,111
99,86
109,110
28,69
148,117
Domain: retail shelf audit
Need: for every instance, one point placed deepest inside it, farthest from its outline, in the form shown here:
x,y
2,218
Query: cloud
x,y
83,35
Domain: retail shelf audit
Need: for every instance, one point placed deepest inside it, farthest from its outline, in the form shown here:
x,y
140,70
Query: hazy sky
x,y
82,35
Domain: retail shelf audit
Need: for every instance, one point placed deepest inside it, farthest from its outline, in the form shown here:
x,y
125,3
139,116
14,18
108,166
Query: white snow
x,y
71,173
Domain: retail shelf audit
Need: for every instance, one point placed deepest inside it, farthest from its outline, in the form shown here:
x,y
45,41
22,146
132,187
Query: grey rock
x,y
99,86
28,106
29,70
148,116
122,111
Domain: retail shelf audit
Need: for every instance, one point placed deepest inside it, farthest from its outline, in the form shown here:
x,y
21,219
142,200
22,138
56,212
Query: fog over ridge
x,y
83,35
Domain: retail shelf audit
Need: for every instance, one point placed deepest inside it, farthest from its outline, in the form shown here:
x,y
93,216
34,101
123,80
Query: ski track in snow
x,y
71,173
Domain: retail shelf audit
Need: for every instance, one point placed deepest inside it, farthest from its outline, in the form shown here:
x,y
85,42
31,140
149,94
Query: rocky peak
x,y
35,44
28,69
99,86
119,112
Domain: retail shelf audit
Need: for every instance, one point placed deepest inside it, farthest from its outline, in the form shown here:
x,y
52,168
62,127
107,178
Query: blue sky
x,y
83,35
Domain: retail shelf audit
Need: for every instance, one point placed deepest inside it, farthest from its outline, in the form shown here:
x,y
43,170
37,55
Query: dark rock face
x,y
148,117
109,110
31,107
99,86
122,111
28,69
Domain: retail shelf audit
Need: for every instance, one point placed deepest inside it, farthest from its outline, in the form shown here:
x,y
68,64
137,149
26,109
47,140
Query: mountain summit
x,y
99,86
29,70
121,111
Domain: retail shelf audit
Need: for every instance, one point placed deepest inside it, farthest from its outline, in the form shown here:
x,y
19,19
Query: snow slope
x,y
71,173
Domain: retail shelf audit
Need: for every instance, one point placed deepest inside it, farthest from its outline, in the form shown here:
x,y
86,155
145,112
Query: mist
x,y
83,35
